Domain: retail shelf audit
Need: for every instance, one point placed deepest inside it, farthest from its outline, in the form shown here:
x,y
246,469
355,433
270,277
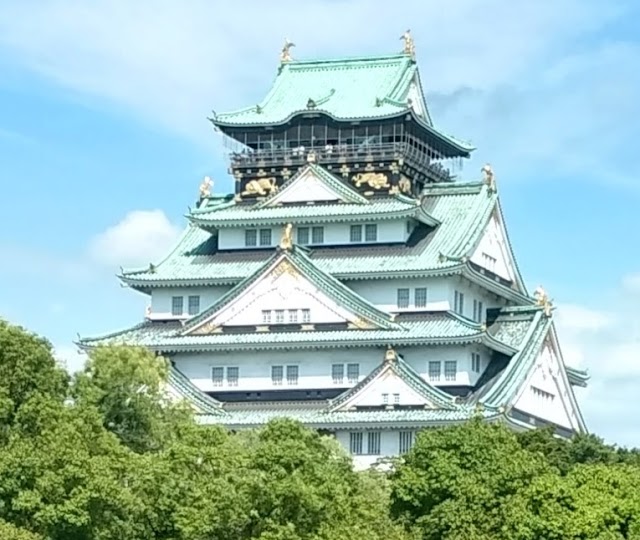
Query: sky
x,y
104,141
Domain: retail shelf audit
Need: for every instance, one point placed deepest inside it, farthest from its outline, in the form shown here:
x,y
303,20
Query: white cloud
x,y
631,283
143,236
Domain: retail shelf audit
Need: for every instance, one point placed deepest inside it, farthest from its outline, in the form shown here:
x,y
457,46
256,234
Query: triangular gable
x,y
493,251
314,184
288,285
393,383
546,392
418,101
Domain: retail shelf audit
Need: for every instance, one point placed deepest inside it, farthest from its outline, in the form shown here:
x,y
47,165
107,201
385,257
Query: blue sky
x,y
103,142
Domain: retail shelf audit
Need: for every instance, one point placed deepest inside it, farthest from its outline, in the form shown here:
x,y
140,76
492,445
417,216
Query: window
x,y
385,399
458,303
355,233
489,262
306,315
373,443
265,237
277,375
396,399
370,232
475,362
403,298
434,370
303,236
317,235
217,376
194,305
293,315
353,372
279,316
250,238
177,305
450,370
355,443
292,375
420,297
478,311
266,316
406,441
337,373
233,374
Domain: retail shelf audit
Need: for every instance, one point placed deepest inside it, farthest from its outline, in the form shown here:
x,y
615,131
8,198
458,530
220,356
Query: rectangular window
x,y
279,316
292,375
475,362
317,235
478,311
396,399
194,305
385,399
406,441
420,297
458,303
177,305
233,374
306,315
266,316
434,370
337,373
293,315
355,443
355,233
277,375
265,237
373,443
403,298
353,373
250,238
217,376
303,236
450,370
371,232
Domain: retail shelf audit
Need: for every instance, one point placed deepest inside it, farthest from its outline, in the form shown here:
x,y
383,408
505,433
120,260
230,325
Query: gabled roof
x,y
461,209
395,366
181,387
343,89
294,260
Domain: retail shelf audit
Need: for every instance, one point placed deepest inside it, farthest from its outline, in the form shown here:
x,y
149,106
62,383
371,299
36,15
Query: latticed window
x,y
373,443
194,305
337,373
396,399
353,372
306,315
177,305
458,302
435,367
277,375
405,441
478,311
450,370
293,315
233,374
250,238
355,233
355,443
420,297
217,376
370,232
317,235
266,316
385,399
292,375
265,237
403,298
475,362
303,236
279,316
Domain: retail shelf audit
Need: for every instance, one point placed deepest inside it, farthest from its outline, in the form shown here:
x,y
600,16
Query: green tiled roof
x,y
421,328
577,377
184,388
344,89
333,288
463,211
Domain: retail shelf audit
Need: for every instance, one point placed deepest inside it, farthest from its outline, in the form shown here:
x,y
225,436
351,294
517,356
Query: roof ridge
x,y
347,59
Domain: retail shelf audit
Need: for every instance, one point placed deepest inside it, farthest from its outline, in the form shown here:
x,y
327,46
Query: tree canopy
x,y
104,455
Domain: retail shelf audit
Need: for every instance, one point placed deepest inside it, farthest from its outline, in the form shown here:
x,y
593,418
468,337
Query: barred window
x,y
194,305
373,443
277,375
177,305
293,315
217,376
292,375
279,316
303,236
450,370
250,238
478,311
434,370
406,441
337,373
353,372
458,303
355,443
420,297
266,316
475,362
403,298
396,399
355,233
371,232
233,374
306,315
265,237
317,235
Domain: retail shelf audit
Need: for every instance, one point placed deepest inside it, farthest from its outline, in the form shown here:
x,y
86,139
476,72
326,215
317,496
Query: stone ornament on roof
x,y
286,242
285,54
409,45
543,300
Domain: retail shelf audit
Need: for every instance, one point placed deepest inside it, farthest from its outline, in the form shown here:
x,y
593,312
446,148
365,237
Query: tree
x,y
10,532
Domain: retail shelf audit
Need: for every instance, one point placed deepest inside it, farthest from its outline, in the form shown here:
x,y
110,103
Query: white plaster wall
x,y
389,446
494,244
161,299
334,234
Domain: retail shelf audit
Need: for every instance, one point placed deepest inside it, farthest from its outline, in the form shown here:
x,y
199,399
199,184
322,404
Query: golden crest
x,y
260,186
371,179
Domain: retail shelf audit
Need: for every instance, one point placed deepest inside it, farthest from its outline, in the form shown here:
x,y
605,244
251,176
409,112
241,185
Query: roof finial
x,y
543,300
205,187
286,242
489,177
285,54
409,45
